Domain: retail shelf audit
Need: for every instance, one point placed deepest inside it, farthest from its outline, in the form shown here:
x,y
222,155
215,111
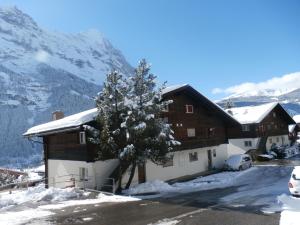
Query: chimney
x,y
57,115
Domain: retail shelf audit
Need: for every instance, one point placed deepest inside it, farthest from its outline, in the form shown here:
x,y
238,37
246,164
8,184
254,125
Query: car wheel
x,y
250,165
240,168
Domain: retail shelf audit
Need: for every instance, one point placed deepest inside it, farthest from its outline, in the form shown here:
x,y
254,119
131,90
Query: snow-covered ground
x,y
290,214
21,206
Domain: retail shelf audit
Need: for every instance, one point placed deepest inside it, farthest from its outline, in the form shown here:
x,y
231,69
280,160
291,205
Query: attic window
x,y
191,132
245,127
189,109
82,138
274,114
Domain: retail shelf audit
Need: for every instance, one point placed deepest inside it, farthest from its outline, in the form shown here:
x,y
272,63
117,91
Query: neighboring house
x,y
262,127
200,125
295,129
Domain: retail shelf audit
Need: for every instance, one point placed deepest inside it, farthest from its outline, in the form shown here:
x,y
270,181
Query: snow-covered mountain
x,y
289,99
42,71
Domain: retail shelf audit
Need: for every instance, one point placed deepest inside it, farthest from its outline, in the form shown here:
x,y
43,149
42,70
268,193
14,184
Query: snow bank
x,y
166,222
102,198
150,187
36,194
291,210
218,180
22,217
39,194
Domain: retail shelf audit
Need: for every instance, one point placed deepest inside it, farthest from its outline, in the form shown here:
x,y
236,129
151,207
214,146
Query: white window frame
x,y
82,138
83,173
187,108
191,132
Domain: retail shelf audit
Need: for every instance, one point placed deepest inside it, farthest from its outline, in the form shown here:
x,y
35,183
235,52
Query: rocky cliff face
x,y
43,71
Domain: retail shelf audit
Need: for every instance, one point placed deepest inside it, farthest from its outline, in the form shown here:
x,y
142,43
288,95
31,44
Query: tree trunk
x,y
120,176
132,172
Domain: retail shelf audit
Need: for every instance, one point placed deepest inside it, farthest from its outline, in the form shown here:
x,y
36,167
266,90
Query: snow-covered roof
x,y
64,123
173,88
252,114
296,118
292,127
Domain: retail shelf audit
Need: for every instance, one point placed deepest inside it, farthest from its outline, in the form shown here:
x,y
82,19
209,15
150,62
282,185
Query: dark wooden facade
x,y
67,146
209,122
275,123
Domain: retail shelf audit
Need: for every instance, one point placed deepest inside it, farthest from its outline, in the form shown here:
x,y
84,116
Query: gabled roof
x,y
255,114
205,102
76,120
66,123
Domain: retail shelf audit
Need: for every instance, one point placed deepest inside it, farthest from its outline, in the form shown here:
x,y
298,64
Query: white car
x,y
238,162
294,183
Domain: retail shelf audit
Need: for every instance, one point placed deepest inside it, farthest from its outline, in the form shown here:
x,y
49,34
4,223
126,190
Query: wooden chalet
x,y
200,125
263,126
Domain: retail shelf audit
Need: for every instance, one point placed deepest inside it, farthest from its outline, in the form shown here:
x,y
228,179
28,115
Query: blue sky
x,y
208,44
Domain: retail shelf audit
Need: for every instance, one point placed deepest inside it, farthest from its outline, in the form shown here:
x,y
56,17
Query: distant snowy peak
x,y
87,55
261,93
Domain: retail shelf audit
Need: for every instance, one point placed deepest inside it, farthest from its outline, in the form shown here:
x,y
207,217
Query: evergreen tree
x,y
147,136
110,103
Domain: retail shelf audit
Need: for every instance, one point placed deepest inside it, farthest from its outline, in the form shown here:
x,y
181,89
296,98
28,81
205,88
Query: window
x,y
193,157
83,173
211,132
248,143
246,127
169,161
276,126
214,153
82,139
189,109
269,127
274,114
191,132
277,139
270,141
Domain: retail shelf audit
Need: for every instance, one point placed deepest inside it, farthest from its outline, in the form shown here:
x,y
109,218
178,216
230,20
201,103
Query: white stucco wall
x,y
60,172
278,140
237,146
182,165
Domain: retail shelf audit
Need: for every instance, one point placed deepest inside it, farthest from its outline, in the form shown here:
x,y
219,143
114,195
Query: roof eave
x,y
56,131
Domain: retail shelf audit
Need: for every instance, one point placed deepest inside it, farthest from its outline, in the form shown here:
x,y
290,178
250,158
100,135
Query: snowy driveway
x,y
230,197
250,199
